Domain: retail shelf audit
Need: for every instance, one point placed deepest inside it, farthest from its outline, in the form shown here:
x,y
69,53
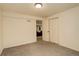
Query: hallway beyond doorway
x,y
39,30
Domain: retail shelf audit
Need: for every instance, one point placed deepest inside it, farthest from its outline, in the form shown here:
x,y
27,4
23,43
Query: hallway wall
x,y
68,28
18,29
1,47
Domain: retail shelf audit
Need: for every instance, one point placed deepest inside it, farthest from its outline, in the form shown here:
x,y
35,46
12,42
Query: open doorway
x,y
39,30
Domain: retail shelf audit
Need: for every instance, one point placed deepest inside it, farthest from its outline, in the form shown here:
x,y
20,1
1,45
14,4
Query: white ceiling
x,y
48,9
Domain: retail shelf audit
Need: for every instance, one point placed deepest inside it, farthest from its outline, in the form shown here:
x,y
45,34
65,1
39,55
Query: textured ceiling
x,y
48,9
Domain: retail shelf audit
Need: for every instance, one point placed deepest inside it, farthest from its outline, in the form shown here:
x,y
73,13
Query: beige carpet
x,y
40,48
39,38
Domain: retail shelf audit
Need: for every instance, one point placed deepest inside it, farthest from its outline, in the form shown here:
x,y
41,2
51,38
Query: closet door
x,y
53,27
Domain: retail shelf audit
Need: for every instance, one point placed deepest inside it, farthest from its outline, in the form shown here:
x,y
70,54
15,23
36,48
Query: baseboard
x,y
1,51
19,44
69,47
66,46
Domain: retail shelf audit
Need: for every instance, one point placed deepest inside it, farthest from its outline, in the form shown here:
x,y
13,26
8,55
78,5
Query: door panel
x,y
53,30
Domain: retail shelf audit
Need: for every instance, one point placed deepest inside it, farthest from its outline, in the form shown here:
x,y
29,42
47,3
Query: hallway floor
x,y
40,48
39,39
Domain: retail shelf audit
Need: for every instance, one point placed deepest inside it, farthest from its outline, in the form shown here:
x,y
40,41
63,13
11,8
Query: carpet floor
x,y
40,48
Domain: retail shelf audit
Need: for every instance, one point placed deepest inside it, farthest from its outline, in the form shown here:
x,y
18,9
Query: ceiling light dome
x,y
38,5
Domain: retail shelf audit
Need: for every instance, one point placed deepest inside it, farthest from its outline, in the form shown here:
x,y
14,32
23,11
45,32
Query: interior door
x,y
53,27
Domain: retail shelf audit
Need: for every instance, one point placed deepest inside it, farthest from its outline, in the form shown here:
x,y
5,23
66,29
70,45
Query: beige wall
x,y
18,29
1,48
68,28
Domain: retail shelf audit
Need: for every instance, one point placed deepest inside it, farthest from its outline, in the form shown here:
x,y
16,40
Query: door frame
x,y
42,27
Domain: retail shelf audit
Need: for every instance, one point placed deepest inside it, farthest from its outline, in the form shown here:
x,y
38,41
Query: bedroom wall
x,y
1,47
18,29
68,28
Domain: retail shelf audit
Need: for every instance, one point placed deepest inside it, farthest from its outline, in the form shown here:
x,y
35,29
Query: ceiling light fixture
x,y
38,5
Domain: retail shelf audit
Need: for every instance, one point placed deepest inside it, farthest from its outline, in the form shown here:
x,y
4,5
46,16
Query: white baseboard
x,y
66,46
69,47
1,51
18,44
